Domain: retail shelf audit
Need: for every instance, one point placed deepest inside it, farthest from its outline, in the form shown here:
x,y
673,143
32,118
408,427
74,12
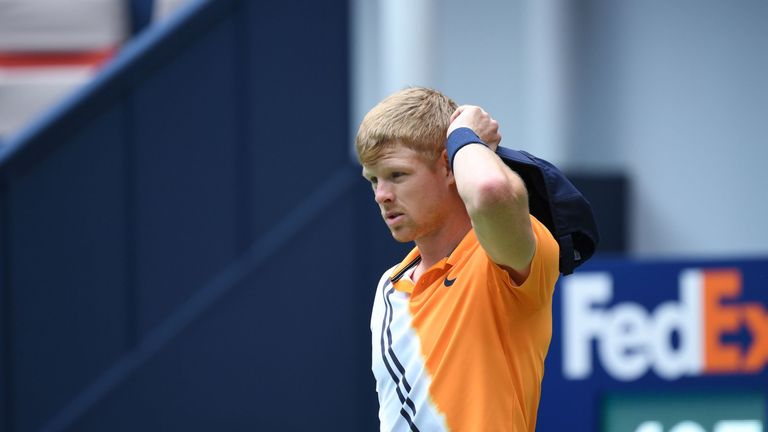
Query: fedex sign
x,y
682,337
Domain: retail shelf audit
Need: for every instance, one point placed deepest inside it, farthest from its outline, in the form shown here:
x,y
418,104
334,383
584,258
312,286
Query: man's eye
x,y
397,175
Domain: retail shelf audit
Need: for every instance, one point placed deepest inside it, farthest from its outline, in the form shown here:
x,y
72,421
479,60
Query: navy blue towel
x,y
556,203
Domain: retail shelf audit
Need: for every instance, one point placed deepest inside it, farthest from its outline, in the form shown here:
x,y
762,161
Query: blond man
x,y
460,328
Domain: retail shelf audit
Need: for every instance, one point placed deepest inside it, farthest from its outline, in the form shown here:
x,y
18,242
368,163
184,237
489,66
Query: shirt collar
x,y
413,258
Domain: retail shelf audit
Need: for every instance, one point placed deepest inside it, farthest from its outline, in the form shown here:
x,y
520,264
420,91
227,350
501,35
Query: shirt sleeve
x,y
538,287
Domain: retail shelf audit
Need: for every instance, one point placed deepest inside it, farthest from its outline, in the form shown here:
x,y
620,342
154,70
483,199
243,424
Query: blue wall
x,y
185,244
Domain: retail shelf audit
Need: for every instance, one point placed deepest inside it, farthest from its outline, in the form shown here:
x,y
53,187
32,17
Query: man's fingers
x,y
457,113
477,119
496,139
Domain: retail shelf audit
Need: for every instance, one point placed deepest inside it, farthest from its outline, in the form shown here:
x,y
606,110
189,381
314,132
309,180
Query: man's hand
x,y
479,121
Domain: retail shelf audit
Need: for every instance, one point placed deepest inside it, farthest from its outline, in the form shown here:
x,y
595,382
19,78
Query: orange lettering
x,y
719,319
757,321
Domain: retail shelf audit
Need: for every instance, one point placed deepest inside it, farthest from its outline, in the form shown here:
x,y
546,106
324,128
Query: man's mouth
x,y
393,217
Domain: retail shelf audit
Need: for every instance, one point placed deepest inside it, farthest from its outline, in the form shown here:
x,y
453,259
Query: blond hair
x,y
415,117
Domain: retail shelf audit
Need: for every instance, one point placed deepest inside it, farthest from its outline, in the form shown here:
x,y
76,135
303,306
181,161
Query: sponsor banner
x,y
630,328
727,412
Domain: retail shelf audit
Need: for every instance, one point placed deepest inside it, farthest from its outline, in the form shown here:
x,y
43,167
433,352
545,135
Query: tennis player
x,y
460,328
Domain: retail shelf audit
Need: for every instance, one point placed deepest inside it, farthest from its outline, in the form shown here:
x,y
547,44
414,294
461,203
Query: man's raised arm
x,y
494,195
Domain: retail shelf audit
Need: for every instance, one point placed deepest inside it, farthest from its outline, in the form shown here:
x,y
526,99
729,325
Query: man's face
x,y
410,192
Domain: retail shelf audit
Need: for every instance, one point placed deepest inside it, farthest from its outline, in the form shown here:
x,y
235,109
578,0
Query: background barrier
x,y
180,241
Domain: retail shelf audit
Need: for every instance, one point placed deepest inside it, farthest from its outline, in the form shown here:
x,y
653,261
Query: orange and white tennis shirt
x,y
463,348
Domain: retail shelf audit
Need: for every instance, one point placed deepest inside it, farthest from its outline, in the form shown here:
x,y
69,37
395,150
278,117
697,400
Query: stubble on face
x,y
416,195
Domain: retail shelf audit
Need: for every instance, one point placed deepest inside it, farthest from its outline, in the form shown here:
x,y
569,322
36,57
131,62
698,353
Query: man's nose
x,y
382,193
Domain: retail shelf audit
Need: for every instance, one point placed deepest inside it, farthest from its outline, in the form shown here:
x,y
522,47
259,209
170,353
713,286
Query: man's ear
x,y
446,165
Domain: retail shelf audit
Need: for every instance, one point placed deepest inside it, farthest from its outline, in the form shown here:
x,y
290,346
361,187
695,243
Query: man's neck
x,y
441,243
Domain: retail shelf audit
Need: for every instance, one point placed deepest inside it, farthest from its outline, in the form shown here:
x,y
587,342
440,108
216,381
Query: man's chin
x,y
401,236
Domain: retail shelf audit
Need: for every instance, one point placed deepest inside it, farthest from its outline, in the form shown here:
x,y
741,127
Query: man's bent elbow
x,y
498,193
